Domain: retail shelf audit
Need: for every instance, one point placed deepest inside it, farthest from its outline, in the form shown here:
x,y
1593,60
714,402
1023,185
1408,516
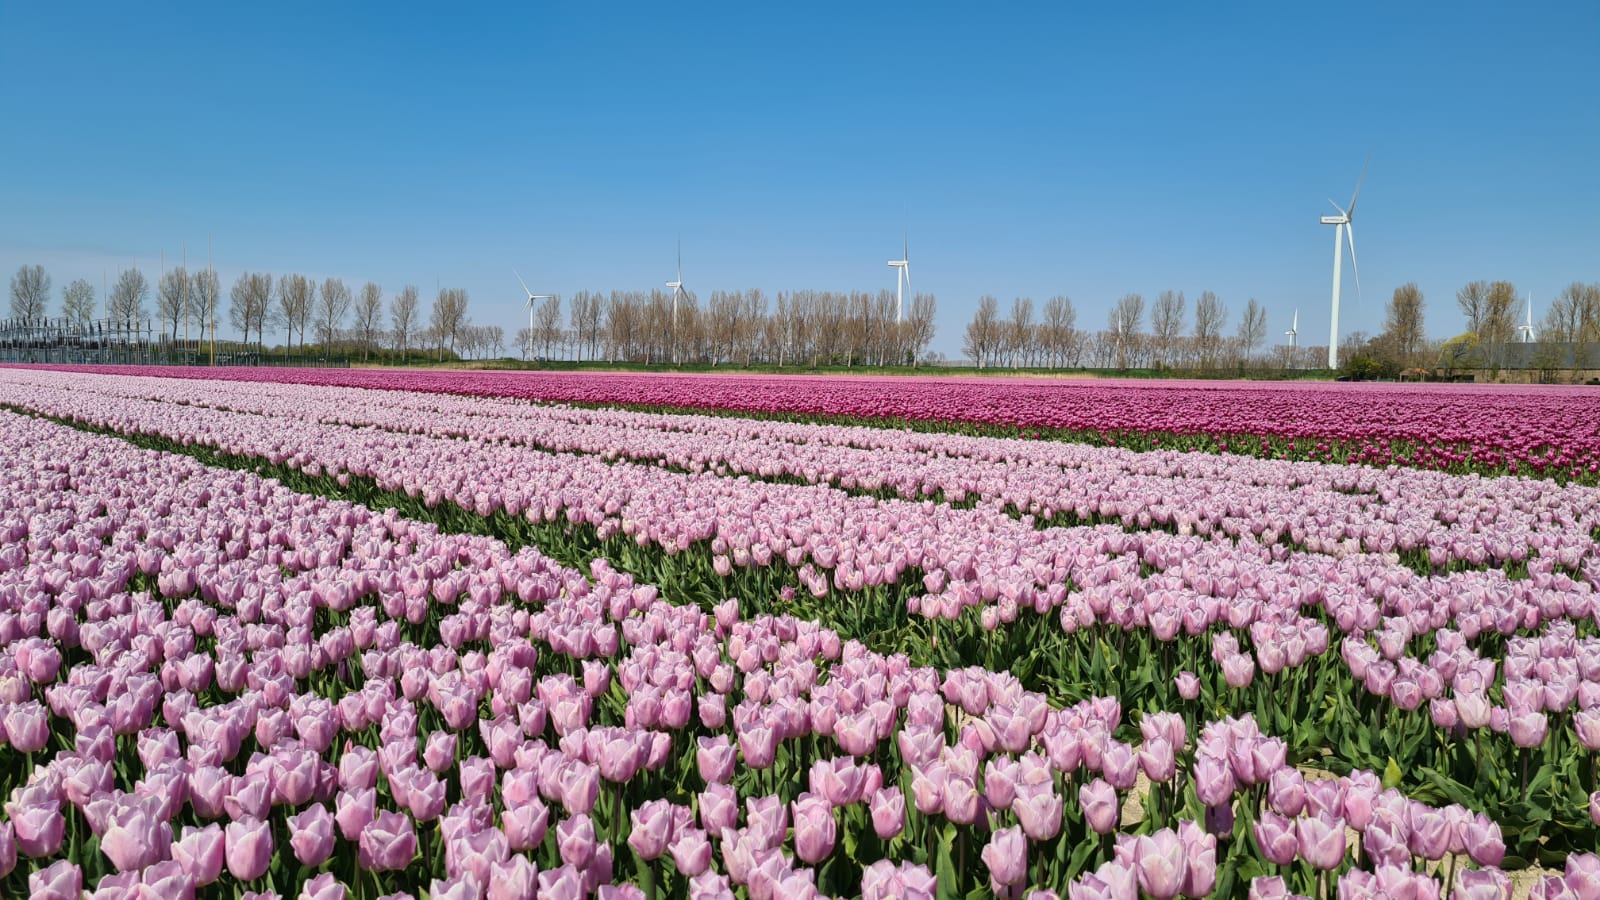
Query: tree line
x,y
802,327
1495,315
1162,335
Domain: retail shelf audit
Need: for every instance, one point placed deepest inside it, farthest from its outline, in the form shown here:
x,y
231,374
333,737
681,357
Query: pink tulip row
x,y
1530,428
969,558
1441,519
231,657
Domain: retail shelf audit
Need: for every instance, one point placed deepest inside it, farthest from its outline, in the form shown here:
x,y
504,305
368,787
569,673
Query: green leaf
x,y
1392,774
1080,856
944,869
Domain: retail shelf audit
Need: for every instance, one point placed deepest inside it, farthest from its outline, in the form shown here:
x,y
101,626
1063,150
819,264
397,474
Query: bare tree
x,y
369,317
1252,328
547,326
1210,318
448,317
1498,323
984,332
251,304
172,298
295,294
205,292
1403,323
1019,331
1473,299
1127,323
403,317
1056,329
333,304
128,296
1166,323
30,293
585,320
918,332
1563,321
78,303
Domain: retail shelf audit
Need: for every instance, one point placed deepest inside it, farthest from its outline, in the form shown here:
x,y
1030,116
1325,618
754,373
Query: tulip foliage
x,y
324,642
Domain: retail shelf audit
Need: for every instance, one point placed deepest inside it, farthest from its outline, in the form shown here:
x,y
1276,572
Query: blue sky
x,y
1029,149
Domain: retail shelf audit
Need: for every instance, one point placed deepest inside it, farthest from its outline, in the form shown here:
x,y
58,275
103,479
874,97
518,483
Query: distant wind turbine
x,y
531,297
1343,224
1294,332
677,291
902,278
1527,328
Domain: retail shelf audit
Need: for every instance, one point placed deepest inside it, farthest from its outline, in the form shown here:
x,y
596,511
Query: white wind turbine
x,y
1343,223
1294,332
532,297
1527,327
902,277
677,291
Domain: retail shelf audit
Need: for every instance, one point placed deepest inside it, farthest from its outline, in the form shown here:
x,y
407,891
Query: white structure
x,y
1294,332
1342,224
677,291
532,297
1527,328
902,277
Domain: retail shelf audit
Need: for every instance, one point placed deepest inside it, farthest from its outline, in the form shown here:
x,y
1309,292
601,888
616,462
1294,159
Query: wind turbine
x,y
532,297
677,291
1342,224
902,277
1527,328
1294,332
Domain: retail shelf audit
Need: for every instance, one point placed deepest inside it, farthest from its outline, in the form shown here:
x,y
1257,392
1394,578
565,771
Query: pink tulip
x,y
691,851
1275,838
311,835
248,848
715,758
515,878
1161,867
38,828
1006,855
8,849
652,829
1482,884
575,839
1321,840
387,843
1101,809
815,830
200,852
889,812
61,880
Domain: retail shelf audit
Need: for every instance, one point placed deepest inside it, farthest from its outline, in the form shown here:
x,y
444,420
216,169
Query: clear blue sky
x,y
1028,149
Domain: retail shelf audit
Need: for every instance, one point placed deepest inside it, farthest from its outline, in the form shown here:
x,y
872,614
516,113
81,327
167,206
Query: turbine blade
x,y
1350,232
907,269
523,283
1358,184
1338,207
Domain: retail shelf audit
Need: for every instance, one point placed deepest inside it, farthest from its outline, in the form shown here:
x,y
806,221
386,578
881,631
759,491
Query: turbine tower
x,y
532,297
902,277
1343,224
1527,327
677,291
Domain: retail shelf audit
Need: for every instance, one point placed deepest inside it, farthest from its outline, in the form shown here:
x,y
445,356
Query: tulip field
x,y
1548,431
362,634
